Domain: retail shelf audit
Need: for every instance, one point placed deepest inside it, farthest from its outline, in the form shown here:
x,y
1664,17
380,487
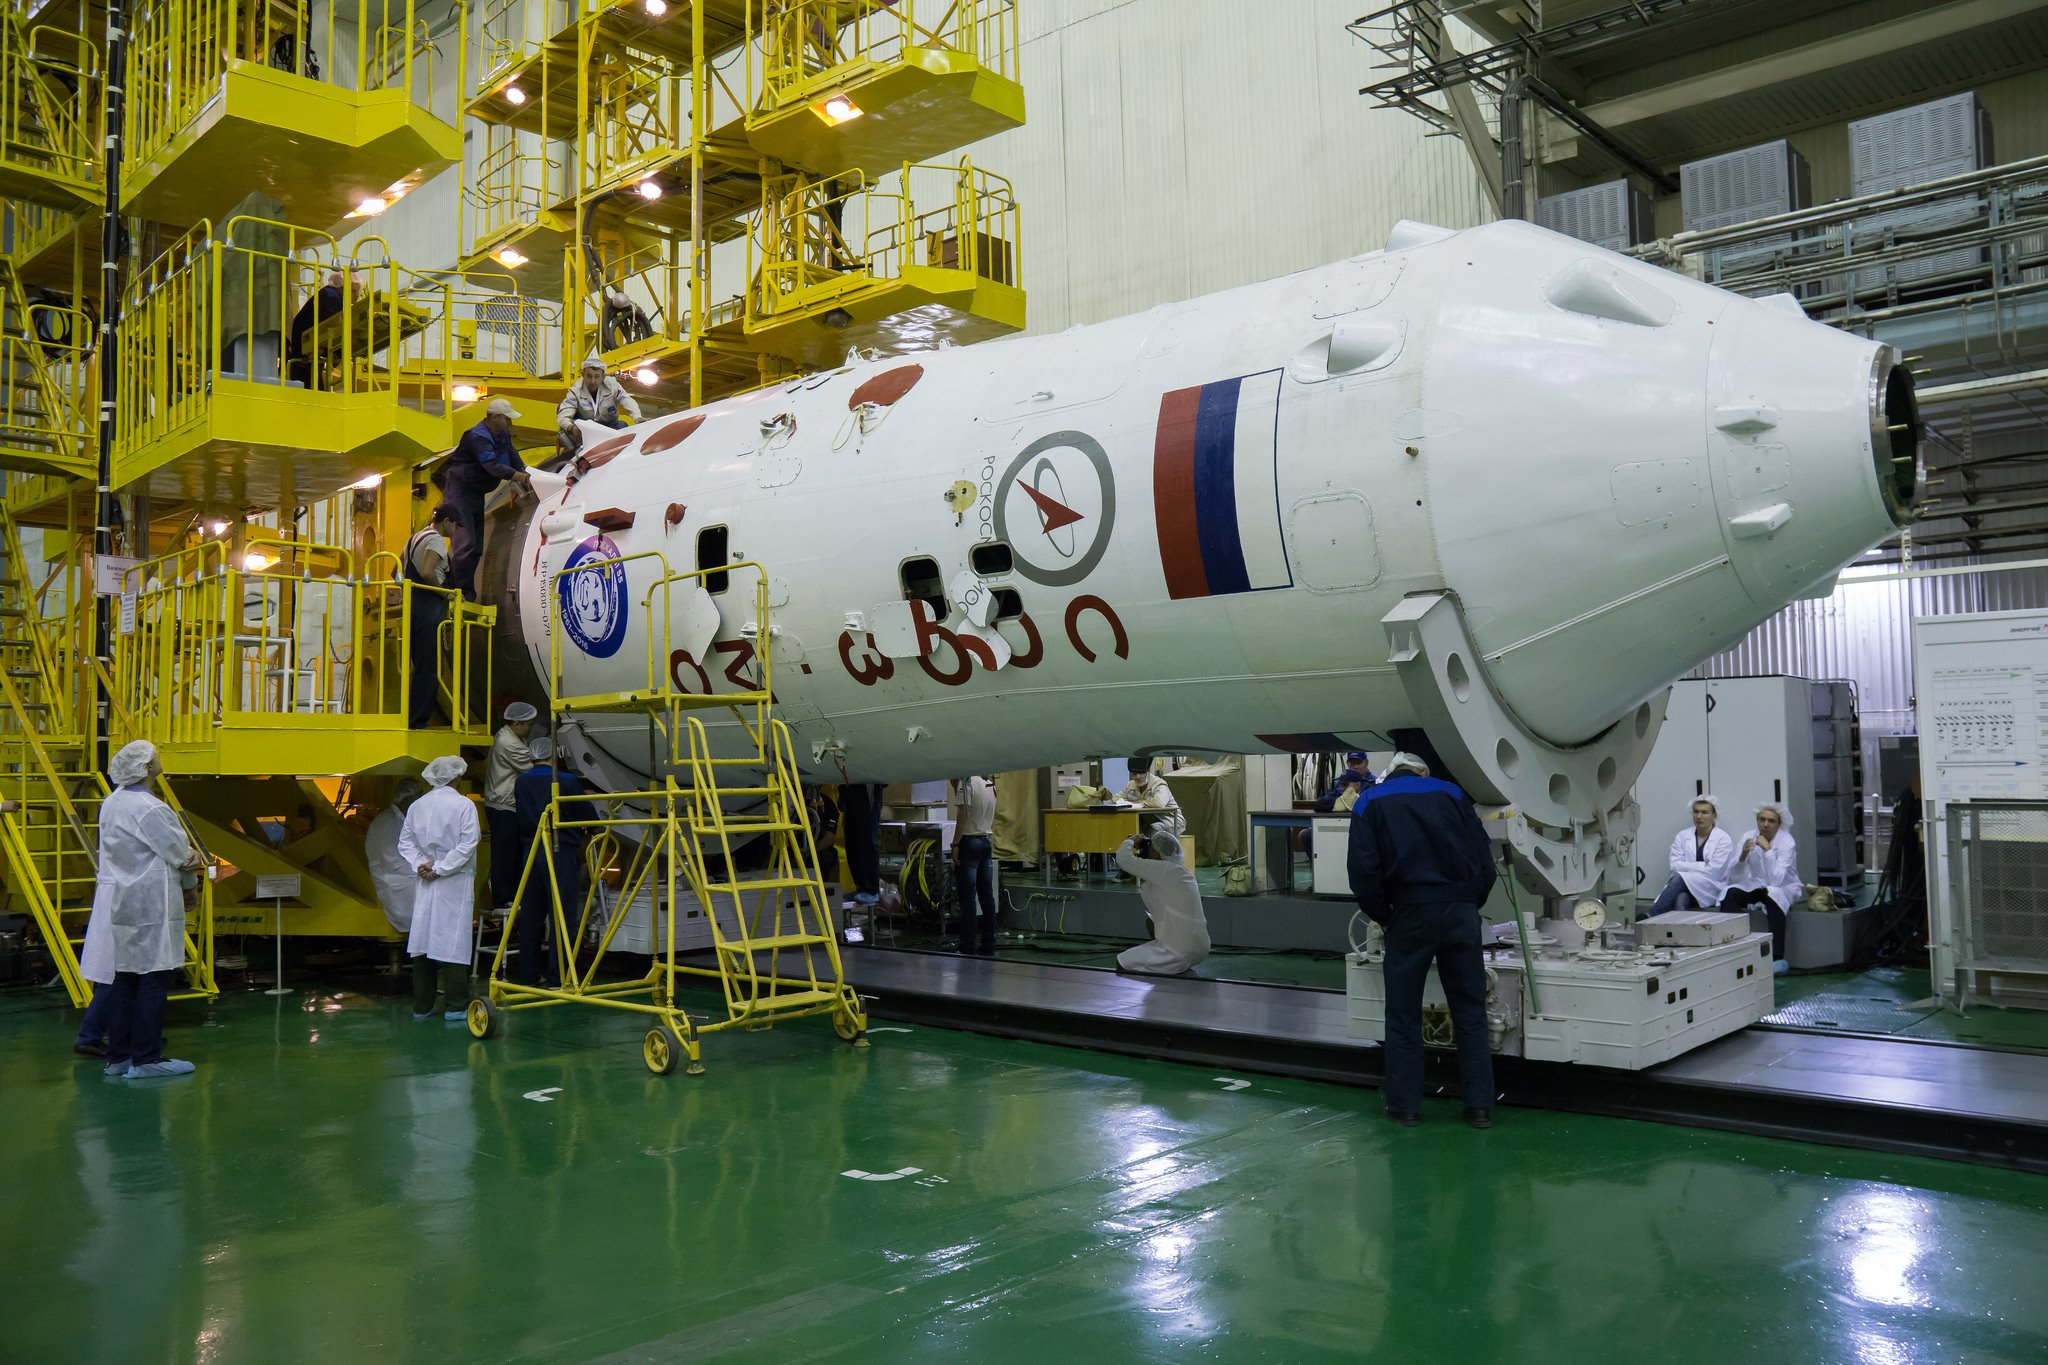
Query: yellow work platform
x,y
912,312
545,73
317,148
254,744
269,445
927,102
523,257
732,363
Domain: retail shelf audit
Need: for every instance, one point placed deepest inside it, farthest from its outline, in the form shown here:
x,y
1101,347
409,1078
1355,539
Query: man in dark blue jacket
x,y
484,458
1355,774
1422,865
533,791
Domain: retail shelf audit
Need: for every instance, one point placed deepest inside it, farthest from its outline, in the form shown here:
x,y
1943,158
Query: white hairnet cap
x,y
518,711
444,770
1784,812
408,790
1710,799
500,407
1164,844
541,747
594,361
131,764
1408,761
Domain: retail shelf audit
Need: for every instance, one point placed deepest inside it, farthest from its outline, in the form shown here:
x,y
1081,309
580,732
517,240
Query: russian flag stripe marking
x,y
1258,492
1173,494
1214,488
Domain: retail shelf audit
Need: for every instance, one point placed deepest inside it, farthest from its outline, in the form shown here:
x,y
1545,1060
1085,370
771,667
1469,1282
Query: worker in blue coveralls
x,y
483,459
1421,866
533,791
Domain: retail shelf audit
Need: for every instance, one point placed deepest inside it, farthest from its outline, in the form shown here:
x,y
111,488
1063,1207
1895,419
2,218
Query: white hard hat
x,y
444,770
500,407
131,764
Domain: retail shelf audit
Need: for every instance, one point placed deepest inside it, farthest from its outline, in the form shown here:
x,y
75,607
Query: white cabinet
x,y
1745,741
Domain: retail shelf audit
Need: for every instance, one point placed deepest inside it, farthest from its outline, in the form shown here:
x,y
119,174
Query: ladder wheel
x,y
482,1018
844,1025
662,1050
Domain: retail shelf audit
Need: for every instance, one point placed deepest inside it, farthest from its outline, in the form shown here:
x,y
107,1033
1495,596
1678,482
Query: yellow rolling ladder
x,y
774,950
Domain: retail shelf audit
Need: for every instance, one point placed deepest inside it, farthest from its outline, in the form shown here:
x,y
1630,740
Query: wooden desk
x,y
1089,831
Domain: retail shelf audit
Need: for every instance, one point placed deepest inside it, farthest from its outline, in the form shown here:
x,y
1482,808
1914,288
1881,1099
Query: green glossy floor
x,y
1892,1000
340,1184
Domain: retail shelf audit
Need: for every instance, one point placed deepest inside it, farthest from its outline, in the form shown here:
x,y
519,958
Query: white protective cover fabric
x,y
1708,880
1774,869
396,881
442,829
136,903
1181,931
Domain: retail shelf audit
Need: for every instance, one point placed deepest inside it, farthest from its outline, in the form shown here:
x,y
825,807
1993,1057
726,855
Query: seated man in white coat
x,y
438,842
1173,904
396,880
1702,858
1767,874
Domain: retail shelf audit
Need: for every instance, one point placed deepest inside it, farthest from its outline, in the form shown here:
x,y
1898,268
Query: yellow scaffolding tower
x,y
774,950
50,792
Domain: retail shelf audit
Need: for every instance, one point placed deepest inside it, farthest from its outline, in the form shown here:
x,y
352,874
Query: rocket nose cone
x,y
1895,434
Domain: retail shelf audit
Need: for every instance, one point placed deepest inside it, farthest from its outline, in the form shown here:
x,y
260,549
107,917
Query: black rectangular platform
x,y
1924,1098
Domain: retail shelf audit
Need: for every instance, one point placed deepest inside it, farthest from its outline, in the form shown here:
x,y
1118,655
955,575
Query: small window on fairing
x,y
921,583
712,552
991,559
1009,606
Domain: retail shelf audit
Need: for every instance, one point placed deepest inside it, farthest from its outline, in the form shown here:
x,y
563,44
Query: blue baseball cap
x,y
1355,756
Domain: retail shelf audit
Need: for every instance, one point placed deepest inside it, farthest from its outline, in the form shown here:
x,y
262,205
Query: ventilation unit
x,y
1913,146
1613,215
1741,187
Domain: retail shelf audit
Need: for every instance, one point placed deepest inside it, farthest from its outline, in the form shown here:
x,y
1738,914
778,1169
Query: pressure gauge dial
x,y
1589,915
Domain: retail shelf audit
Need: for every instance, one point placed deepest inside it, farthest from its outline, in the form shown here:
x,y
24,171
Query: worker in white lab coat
x,y
1767,874
1702,859
1173,904
141,903
396,880
438,841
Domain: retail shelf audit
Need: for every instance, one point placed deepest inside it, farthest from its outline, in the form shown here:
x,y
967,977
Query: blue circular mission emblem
x,y
594,603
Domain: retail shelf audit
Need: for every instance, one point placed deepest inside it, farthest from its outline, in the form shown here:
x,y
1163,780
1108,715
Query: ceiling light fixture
x,y
370,481
646,375
509,258
514,95
649,189
836,110
656,8
465,393
371,207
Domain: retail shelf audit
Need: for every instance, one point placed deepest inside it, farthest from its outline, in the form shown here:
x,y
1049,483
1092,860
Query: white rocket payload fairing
x,y
1496,484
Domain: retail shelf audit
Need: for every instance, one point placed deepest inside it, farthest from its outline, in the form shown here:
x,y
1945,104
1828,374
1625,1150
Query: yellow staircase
x,y
771,936
50,103
50,791
49,382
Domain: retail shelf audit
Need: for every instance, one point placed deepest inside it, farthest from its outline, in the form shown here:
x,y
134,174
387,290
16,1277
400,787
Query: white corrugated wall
x,y
1177,147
